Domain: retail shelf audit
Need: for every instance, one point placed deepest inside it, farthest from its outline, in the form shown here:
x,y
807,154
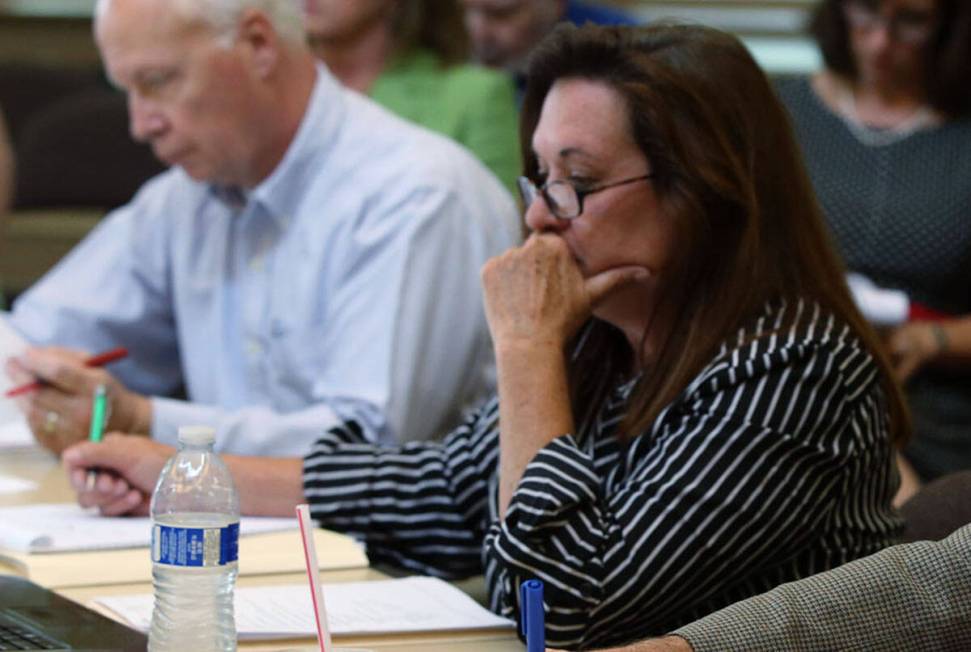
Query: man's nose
x,y
476,24
145,121
880,35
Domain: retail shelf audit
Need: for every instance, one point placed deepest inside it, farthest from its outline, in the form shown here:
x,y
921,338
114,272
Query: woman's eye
x,y
581,183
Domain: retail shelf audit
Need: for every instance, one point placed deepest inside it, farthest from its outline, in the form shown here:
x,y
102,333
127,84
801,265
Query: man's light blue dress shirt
x,y
344,286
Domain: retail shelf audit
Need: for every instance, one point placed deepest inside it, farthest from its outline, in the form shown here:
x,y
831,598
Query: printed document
x,y
411,604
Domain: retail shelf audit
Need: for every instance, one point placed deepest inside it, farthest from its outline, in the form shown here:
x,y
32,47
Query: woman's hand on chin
x,y
536,295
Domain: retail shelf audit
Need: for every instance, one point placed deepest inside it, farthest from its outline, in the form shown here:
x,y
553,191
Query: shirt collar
x,y
280,193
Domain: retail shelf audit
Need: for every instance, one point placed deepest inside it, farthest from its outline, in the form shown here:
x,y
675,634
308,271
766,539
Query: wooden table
x,y
41,467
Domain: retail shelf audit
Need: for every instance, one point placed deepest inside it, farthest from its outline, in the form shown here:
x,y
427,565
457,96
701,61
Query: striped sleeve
x,y
733,480
422,507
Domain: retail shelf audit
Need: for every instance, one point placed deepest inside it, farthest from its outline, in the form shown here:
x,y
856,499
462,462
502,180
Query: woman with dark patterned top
x,y
690,409
886,133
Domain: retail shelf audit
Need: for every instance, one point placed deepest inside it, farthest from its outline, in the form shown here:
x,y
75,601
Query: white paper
x,y
14,432
411,604
880,306
13,485
67,527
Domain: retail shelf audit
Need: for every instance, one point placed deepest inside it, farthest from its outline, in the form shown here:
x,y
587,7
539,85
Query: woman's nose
x,y
539,218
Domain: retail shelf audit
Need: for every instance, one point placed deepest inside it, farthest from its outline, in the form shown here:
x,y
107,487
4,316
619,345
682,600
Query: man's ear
x,y
257,34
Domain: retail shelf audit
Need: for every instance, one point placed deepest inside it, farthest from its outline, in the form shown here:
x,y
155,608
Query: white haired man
x,y
308,258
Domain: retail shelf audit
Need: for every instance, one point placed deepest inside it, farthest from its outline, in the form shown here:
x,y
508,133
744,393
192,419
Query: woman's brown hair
x,y
947,66
728,170
436,25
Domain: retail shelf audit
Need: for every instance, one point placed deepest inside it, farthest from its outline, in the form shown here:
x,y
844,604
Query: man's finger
x,y
131,503
16,371
105,455
67,373
601,285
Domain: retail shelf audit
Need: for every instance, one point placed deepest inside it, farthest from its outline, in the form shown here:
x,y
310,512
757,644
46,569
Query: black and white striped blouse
x,y
773,464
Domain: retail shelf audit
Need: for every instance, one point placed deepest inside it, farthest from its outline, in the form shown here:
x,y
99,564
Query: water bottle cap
x,y
197,435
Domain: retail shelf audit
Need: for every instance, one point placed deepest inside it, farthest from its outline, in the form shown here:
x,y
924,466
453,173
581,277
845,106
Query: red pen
x,y
99,360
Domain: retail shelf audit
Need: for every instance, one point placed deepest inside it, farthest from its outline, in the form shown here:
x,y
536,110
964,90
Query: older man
x,y
503,32
309,258
908,597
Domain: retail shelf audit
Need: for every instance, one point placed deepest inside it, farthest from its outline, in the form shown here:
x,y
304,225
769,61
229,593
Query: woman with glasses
x,y
886,133
690,408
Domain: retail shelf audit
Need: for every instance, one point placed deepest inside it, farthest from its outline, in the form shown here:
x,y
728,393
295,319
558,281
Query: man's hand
x,y
59,412
128,468
666,644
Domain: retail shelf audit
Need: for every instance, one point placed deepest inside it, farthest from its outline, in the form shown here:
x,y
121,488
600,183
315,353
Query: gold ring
x,y
50,421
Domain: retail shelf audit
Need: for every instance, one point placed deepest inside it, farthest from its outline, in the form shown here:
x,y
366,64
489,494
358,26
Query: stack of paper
x,y
413,604
47,528
14,432
61,545
12,485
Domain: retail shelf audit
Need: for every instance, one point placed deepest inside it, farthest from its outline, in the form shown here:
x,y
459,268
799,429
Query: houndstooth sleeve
x,y
909,597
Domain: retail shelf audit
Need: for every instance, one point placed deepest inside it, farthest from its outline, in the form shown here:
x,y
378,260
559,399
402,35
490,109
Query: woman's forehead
x,y
582,118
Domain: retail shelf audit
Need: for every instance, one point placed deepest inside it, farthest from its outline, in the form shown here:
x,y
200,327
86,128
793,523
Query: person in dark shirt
x,y
504,32
885,129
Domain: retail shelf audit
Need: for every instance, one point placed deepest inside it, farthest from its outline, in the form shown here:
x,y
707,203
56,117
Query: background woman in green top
x,y
411,56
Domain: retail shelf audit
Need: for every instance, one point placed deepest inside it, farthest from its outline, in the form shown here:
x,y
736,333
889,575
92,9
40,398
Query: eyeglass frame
x,y
872,18
528,187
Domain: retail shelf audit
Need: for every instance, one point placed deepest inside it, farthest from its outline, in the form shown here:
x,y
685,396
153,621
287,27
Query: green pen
x,y
99,418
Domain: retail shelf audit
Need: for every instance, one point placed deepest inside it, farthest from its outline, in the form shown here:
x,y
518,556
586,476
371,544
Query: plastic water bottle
x,y
195,541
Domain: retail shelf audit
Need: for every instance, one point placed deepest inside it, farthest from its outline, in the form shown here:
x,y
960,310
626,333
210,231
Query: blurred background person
x,y
886,135
411,57
504,32
6,186
6,169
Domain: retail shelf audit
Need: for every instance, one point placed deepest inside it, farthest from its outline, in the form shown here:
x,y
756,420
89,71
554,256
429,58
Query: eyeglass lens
x,y
560,197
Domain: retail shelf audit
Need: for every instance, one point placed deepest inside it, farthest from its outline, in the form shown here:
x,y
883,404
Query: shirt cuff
x,y
559,478
169,414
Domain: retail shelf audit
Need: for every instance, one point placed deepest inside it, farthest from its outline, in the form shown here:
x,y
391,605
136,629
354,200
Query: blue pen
x,y
532,619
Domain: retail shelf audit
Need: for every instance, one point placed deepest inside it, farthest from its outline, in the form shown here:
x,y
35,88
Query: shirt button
x,y
253,347
257,264
278,329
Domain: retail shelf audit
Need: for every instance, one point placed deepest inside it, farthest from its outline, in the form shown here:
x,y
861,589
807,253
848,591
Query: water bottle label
x,y
189,546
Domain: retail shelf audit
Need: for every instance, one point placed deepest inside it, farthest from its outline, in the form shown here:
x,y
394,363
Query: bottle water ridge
x,y
195,541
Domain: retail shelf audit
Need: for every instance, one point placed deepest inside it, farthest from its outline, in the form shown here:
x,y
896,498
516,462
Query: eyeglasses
x,y
905,26
564,199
